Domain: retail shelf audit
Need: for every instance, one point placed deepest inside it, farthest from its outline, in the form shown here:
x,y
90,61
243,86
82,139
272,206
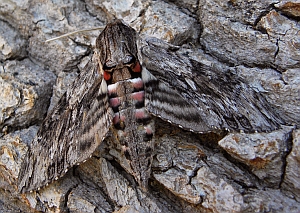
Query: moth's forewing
x,y
201,98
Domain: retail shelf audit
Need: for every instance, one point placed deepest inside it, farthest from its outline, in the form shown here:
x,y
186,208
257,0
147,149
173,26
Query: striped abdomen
x,y
133,125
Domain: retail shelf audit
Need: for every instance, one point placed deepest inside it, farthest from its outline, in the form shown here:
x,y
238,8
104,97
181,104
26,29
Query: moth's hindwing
x,y
166,103
198,97
71,133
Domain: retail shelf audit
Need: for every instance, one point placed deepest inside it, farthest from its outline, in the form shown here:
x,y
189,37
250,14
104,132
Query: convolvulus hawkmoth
x,y
126,82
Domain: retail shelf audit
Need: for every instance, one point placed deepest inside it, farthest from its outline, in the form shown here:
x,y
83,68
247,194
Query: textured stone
x,y
61,55
291,8
236,43
280,89
57,19
263,153
175,151
15,13
231,39
128,10
245,12
291,181
27,89
190,5
169,24
221,166
12,45
100,175
178,183
269,200
218,195
12,149
286,34
78,204
179,162
54,196
126,209
122,193
85,199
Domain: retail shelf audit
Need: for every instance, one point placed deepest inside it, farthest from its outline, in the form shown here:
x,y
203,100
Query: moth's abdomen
x,y
133,126
128,95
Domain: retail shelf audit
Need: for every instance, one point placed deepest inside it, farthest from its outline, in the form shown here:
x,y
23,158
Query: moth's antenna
x,y
77,31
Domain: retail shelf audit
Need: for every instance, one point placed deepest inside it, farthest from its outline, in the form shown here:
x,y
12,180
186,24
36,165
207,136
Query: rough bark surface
x,y
234,172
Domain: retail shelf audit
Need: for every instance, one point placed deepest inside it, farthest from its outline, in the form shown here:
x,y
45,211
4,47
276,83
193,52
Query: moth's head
x,y
117,51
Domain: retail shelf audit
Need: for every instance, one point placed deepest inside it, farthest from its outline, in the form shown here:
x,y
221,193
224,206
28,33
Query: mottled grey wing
x,y
200,98
71,133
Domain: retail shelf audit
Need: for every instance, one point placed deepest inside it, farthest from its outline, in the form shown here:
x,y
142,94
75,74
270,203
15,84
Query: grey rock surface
x,y
26,89
13,147
263,153
226,172
11,43
291,182
280,89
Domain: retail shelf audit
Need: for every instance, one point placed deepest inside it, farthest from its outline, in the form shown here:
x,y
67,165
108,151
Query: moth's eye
x,y
129,59
109,65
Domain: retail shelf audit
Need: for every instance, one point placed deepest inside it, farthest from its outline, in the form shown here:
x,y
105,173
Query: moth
x,y
127,81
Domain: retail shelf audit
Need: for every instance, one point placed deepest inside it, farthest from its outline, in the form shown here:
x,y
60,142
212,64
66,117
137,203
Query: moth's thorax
x,y
116,45
121,74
